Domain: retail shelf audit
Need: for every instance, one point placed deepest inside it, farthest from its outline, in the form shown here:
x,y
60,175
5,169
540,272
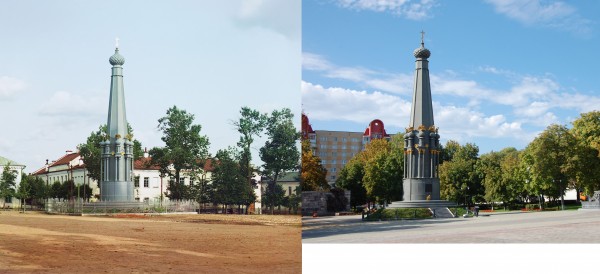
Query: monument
x,y
421,182
116,182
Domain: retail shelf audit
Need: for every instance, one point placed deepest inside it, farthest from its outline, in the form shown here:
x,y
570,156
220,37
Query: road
x,y
581,226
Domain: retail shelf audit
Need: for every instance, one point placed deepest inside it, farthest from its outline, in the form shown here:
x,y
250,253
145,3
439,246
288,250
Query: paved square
x,y
510,227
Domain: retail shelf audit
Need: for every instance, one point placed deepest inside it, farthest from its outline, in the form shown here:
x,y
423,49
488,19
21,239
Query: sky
x,y
501,70
209,58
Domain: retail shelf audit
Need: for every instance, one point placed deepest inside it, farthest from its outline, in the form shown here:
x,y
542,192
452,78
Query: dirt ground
x,y
38,243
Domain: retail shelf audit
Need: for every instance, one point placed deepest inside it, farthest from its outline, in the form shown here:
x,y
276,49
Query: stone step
x,y
442,212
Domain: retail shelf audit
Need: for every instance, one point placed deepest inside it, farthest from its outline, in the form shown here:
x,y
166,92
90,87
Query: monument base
x,y
417,189
421,204
121,191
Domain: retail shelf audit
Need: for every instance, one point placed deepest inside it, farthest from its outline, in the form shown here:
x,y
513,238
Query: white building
x,y
17,169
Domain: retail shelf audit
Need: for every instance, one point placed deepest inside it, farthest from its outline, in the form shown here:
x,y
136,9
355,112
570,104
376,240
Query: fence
x,y
79,206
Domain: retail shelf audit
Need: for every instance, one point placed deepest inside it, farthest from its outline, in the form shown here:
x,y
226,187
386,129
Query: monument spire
x,y
421,184
117,149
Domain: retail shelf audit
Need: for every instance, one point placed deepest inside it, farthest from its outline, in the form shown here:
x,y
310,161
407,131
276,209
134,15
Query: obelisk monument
x,y
421,182
116,182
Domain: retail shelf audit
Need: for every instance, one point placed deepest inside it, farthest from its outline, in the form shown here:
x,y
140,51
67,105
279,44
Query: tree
x,y
549,159
274,196
250,124
294,200
91,151
24,190
313,176
7,183
350,178
35,189
280,153
499,175
229,184
200,187
587,129
184,148
459,179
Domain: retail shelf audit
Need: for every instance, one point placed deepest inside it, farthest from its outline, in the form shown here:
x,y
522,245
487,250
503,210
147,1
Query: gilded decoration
x,y
409,129
117,136
432,128
421,128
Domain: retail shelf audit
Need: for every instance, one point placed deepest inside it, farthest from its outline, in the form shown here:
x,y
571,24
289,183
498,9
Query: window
x,y
332,177
182,180
137,199
323,162
289,190
334,154
344,154
344,162
366,139
333,169
136,183
146,182
335,139
8,199
334,161
323,146
323,138
146,199
343,146
344,139
354,140
334,147
322,154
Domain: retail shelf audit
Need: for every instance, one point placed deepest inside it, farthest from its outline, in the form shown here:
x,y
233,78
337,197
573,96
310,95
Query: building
x,y
289,182
68,167
17,169
336,148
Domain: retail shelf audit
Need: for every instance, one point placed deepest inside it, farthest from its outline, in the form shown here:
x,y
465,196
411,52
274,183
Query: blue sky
x,y
501,71
207,57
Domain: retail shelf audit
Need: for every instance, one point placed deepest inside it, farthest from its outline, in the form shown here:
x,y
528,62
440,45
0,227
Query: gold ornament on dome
x,y
117,136
409,129
112,153
129,136
421,127
432,128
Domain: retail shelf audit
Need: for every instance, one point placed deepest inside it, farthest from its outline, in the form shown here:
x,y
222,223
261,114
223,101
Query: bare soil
x,y
185,243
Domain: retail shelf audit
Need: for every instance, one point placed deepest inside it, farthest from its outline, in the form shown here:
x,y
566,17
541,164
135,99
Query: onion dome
x,y
117,59
422,52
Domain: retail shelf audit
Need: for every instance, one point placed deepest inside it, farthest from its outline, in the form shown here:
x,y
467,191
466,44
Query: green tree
x,y
274,196
550,161
350,178
229,184
294,200
250,124
280,152
7,183
587,129
184,148
24,191
313,176
91,151
200,187
460,181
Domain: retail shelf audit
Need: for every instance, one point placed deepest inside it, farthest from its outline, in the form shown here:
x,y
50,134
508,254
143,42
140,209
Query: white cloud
x,y
459,122
384,81
414,10
333,103
63,103
273,15
341,104
553,14
10,87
